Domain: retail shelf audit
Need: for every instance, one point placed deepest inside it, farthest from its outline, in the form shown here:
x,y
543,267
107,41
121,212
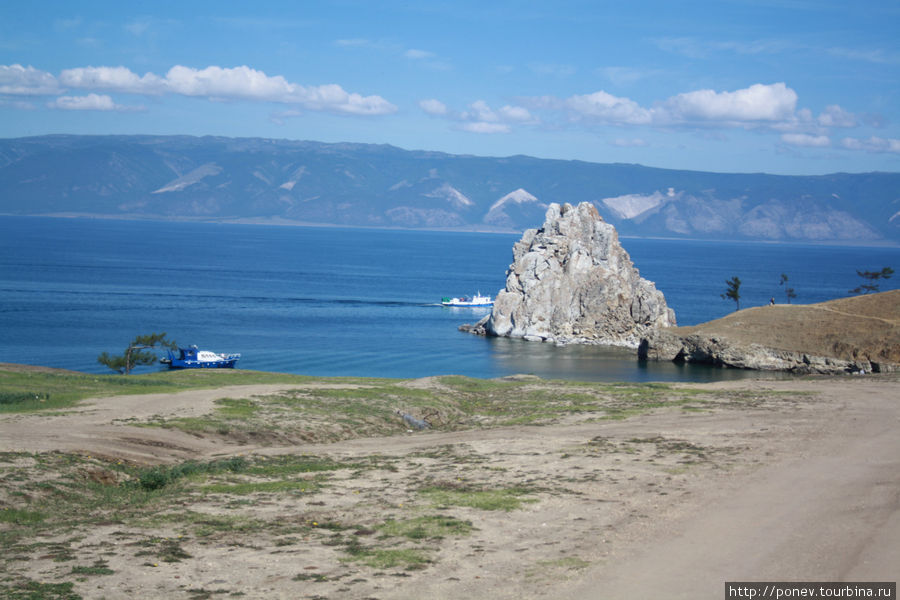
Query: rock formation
x,y
847,335
723,352
572,282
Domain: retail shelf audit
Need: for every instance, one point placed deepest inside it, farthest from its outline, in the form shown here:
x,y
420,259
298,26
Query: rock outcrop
x,y
848,335
722,352
572,282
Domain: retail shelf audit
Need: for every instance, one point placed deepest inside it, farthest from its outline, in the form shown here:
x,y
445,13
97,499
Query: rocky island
x,y
571,281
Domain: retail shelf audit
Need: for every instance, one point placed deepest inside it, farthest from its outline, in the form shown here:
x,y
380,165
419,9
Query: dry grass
x,y
862,327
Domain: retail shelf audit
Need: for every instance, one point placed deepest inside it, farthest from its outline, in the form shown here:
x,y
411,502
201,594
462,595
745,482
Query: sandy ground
x,y
803,486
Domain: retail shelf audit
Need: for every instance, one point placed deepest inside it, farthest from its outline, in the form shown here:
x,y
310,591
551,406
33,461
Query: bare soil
x,y
767,480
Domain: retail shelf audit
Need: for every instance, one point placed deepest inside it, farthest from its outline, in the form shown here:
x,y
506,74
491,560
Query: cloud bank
x,y
759,107
216,83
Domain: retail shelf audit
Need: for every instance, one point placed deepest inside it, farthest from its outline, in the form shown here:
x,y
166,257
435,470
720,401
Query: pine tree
x,y
136,353
872,276
788,291
733,291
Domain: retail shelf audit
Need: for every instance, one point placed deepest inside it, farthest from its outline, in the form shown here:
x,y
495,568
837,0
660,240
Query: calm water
x,y
332,301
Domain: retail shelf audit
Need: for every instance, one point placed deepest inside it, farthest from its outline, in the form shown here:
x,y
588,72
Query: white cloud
x,y
607,108
480,111
90,102
758,102
114,79
515,113
479,116
237,83
873,144
835,116
27,81
433,107
760,105
806,140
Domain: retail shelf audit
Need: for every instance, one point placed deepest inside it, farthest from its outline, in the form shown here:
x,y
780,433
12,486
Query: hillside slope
x,y
262,180
849,334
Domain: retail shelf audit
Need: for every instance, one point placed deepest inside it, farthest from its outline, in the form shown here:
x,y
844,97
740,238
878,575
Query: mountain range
x,y
284,181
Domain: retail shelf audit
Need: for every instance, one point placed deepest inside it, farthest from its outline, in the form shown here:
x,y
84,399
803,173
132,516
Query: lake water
x,y
362,302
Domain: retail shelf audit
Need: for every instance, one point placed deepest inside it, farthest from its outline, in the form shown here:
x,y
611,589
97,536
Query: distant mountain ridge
x,y
264,180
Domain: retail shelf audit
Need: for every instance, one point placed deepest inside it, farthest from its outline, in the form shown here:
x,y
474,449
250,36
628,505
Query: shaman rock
x,y
572,282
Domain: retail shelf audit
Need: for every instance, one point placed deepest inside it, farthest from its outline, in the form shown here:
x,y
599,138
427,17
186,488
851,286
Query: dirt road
x,y
802,485
828,511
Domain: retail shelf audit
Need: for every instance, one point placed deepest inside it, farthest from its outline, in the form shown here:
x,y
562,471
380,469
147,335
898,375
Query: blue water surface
x,y
361,302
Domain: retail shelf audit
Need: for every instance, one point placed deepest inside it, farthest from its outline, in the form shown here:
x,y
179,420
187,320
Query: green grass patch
x,y
505,499
83,491
26,390
98,568
36,590
431,527
205,525
314,577
155,478
164,549
261,487
20,516
388,558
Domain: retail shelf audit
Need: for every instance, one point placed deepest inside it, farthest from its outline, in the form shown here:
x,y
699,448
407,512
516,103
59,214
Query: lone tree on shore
x,y
873,276
136,353
733,292
788,291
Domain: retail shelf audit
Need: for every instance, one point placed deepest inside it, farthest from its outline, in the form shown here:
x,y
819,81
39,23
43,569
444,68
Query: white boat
x,y
476,300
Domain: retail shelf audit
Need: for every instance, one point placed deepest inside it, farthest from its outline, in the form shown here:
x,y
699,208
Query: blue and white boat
x,y
192,358
476,300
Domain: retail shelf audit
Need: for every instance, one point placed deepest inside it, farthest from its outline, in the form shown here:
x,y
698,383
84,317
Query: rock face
x,y
846,335
723,352
572,282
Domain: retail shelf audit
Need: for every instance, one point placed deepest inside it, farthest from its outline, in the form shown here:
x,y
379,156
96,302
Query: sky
x,y
797,87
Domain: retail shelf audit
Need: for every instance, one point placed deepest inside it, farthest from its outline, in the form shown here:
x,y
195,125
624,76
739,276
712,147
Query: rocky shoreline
x,y
849,335
721,352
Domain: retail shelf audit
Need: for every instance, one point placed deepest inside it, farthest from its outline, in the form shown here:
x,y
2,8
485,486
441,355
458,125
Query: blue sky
x,y
792,87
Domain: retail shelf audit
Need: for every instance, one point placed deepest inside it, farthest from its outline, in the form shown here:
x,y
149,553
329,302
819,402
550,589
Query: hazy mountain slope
x,y
217,178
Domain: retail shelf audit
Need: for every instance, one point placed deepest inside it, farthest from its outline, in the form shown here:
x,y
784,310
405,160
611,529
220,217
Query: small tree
x,y
733,292
788,291
136,353
872,276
